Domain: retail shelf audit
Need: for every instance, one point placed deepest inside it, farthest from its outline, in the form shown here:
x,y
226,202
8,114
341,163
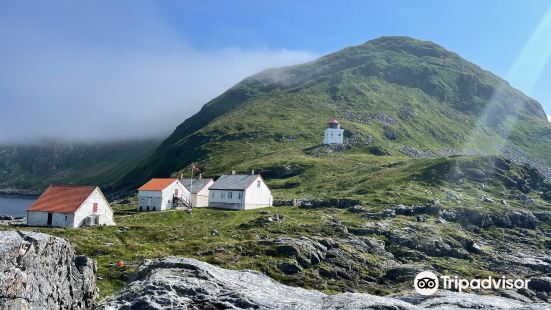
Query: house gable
x,y
102,197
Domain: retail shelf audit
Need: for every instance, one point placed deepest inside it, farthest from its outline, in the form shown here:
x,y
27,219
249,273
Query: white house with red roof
x,y
333,134
162,194
240,192
70,206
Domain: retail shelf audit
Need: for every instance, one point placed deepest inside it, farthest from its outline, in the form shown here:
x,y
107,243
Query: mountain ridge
x,y
417,91
29,167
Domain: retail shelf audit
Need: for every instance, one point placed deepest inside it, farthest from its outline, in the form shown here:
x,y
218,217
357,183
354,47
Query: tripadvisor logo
x,y
427,283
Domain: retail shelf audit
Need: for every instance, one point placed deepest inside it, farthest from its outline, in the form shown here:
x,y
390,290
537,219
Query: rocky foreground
x,y
38,271
184,283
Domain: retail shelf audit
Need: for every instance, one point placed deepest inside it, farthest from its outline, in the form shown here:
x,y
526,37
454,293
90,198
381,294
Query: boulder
x,y
414,210
421,218
307,252
38,271
289,267
473,247
523,219
311,203
431,245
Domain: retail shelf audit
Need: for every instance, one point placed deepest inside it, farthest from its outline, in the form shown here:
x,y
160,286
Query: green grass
x,y
159,234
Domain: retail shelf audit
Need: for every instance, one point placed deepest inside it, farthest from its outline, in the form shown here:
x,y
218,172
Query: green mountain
x,y
402,102
35,166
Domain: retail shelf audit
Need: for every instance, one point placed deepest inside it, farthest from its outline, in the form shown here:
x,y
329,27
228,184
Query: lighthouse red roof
x,y
334,121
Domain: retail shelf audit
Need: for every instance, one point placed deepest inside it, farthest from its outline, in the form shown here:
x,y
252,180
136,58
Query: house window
x,y
65,218
222,195
230,195
176,193
212,194
240,195
95,208
258,183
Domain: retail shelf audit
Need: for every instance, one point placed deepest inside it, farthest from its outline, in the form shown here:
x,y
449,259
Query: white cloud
x,y
549,117
141,82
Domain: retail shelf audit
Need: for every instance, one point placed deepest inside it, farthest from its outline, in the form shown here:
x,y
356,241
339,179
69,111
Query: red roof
x,y
334,121
156,184
62,198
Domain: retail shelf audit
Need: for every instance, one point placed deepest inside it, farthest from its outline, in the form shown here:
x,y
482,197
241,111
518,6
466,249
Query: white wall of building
x,y
40,218
104,211
258,195
226,199
201,198
161,200
333,136
149,200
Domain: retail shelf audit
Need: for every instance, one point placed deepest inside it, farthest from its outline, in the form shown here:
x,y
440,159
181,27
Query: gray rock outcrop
x,y
38,271
184,283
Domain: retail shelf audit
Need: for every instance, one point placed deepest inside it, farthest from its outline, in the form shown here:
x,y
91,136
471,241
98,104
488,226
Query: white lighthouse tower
x,y
334,134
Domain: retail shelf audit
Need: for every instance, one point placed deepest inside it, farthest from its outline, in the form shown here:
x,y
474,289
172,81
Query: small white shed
x,y
162,194
240,192
70,206
199,189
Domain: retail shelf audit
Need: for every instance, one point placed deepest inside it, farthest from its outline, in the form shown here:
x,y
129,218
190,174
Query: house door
x,y
50,216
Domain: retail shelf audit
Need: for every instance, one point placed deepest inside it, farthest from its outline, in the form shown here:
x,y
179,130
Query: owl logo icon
x,y
426,283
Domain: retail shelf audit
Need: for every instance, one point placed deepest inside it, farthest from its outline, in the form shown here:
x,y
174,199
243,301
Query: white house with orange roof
x,y
162,194
70,206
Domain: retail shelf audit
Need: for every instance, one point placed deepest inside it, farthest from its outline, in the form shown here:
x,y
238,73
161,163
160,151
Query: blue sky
x,y
112,69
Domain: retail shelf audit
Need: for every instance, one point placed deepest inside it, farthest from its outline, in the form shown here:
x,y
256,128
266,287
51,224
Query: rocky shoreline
x,y
12,220
18,192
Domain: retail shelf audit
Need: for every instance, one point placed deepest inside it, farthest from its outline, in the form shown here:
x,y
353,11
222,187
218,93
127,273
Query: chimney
x,y
181,176
200,176
233,172
252,171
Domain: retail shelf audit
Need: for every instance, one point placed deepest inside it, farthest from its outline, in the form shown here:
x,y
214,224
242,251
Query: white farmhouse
x,y
199,189
70,206
162,194
240,192
334,134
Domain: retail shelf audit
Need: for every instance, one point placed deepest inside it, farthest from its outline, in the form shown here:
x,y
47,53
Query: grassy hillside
x,y
395,96
36,166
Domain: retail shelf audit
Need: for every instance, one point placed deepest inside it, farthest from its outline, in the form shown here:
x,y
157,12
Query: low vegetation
x,y
248,239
